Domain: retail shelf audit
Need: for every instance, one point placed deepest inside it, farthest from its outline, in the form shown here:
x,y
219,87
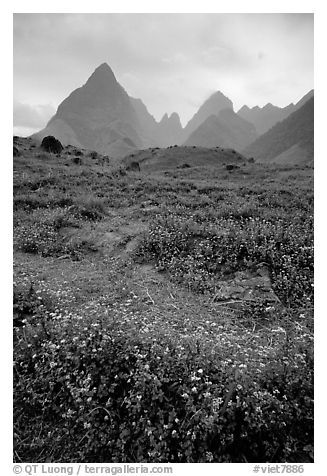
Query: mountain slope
x,y
98,115
266,117
211,107
101,116
225,130
170,130
289,141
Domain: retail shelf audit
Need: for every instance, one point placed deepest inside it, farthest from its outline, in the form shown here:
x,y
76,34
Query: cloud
x,y
170,61
32,117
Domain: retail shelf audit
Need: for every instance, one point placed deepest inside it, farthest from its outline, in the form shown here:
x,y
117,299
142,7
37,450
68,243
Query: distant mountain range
x,y
266,117
290,141
101,116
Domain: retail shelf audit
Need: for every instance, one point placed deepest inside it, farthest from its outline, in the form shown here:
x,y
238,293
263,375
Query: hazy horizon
x,y
172,62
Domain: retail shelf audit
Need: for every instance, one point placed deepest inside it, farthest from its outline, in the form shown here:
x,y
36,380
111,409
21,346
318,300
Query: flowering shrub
x,y
98,391
196,253
40,234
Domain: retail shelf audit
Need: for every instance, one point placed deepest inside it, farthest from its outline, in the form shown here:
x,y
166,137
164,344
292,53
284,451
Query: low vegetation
x,y
122,350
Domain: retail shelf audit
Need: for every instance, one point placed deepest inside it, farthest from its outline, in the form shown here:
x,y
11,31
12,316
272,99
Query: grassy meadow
x,y
161,316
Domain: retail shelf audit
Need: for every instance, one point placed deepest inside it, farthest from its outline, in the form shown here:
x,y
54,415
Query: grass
x,y
133,341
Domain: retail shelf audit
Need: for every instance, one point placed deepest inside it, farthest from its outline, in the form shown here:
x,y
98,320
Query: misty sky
x,y
173,62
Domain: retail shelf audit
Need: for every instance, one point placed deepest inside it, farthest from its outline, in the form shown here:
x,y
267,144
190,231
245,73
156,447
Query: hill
x,y
173,157
289,141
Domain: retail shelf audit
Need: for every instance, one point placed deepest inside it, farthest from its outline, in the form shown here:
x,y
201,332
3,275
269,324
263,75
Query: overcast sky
x,y
173,62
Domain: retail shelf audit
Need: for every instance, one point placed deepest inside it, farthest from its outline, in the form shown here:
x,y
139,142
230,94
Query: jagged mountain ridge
x,y
266,117
290,141
100,115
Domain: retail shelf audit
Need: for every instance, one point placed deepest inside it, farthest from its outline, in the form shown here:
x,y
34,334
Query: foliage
x,y
115,364
96,390
195,253
41,234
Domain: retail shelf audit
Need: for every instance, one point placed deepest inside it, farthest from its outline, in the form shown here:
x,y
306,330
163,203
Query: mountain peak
x,y
268,106
244,108
103,74
164,118
216,102
103,68
212,106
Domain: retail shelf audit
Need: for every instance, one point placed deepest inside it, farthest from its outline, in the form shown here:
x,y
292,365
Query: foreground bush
x,y
198,254
40,234
93,390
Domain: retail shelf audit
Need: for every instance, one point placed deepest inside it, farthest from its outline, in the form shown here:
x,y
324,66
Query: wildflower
x,y
209,456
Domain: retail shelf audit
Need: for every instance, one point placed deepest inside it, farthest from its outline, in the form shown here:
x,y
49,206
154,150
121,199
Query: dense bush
x,y
51,144
196,254
40,235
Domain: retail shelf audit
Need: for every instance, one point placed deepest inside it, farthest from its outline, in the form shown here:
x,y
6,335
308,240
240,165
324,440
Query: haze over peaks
x,y
289,141
212,106
226,129
101,116
266,117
